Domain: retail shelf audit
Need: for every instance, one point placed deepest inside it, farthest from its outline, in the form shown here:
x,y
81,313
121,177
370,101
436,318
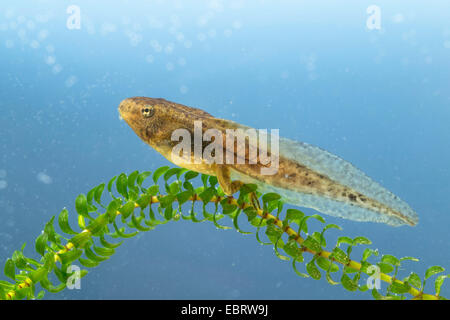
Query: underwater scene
x,y
354,97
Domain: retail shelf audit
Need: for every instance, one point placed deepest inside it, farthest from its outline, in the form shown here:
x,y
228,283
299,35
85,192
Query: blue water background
x,y
378,98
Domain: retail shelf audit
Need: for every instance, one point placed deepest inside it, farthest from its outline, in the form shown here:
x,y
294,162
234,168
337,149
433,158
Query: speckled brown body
x,y
156,130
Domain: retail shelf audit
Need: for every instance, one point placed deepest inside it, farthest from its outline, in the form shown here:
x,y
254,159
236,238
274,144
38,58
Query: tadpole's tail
x,y
343,173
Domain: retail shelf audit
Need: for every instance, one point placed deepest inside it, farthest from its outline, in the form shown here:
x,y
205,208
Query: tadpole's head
x,y
144,115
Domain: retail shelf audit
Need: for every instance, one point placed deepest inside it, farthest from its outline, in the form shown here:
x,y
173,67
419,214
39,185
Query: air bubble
x,y
71,81
201,37
237,25
212,33
50,60
180,36
34,44
44,178
169,48
21,19
184,89
3,184
398,18
170,66
43,34
56,68
31,25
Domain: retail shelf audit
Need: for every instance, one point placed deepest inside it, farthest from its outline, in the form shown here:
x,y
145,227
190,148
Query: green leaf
x,y
70,256
10,269
273,233
142,176
159,172
190,175
319,238
367,253
399,288
98,224
312,270
213,181
387,258
90,196
41,243
291,248
251,213
88,263
207,194
173,188
294,215
137,225
81,239
438,283
38,274
339,255
19,259
63,222
385,267
415,280
122,185
361,240
330,280
108,244
132,179
235,223
318,218
312,244
331,226
104,251
166,201
153,190
271,196
81,206
120,232
346,240
110,183
49,229
376,295
326,265
143,201
409,258
98,193
127,209
348,283
93,257
303,275
183,197
431,271
171,172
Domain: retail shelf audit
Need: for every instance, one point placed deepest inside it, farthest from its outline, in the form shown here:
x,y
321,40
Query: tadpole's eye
x,y
148,111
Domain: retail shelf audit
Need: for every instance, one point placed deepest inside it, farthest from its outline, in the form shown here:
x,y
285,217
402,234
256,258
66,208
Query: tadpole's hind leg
x,y
224,178
254,200
231,187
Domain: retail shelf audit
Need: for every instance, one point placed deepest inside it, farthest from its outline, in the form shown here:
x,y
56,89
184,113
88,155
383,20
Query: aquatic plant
x,y
142,209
